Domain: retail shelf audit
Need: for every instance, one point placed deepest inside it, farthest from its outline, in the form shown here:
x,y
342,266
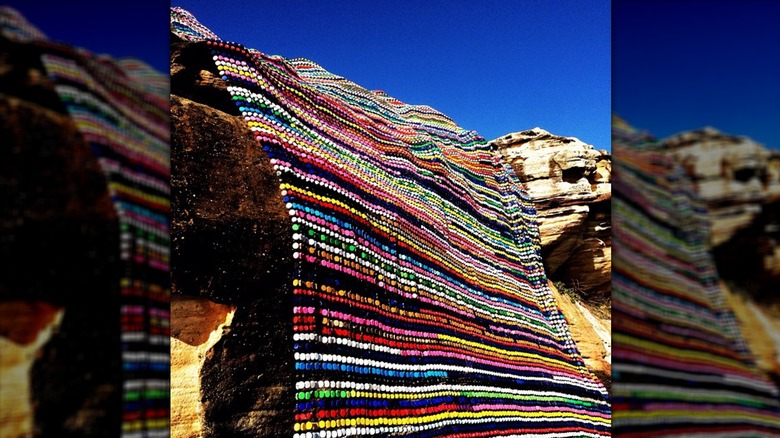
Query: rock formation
x,y
198,324
227,228
344,228
738,181
25,327
570,184
759,321
84,165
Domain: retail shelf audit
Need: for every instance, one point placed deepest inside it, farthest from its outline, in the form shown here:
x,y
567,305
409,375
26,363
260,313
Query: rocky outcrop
x,y
198,324
590,327
739,182
25,327
733,175
751,257
57,224
570,184
228,227
760,322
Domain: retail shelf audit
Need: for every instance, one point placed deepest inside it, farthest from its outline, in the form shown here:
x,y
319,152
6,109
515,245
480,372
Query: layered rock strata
x,y
731,174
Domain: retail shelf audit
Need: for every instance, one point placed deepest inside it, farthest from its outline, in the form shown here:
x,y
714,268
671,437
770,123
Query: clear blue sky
x,y
137,28
492,66
679,66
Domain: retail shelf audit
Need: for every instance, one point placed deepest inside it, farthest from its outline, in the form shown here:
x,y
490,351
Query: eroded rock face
x,y
570,183
738,180
57,216
235,208
761,325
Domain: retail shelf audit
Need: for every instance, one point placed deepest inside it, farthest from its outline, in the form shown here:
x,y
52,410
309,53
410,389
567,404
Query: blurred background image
x,y
84,175
696,314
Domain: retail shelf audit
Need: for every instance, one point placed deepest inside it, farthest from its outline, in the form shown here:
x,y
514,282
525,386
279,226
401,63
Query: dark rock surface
x,y
229,223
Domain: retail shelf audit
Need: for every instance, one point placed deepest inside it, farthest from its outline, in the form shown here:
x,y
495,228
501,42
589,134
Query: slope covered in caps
x,y
419,303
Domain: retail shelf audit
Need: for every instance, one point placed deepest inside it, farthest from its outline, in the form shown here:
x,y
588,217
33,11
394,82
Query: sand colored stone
x,y
196,325
760,326
732,174
591,331
25,327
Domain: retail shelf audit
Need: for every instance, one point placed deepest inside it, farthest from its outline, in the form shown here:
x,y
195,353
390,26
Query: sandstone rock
x,y
57,215
773,171
760,325
555,170
737,179
570,183
229,222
